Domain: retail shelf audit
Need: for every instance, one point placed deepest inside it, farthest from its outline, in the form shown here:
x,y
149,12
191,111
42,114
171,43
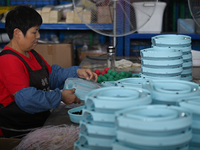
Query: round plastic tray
x,y
115,98
172,90
154,119
75,118
187,77
171,40
97,129
195,140
98,141
78,146
191,103
187,56
152,53
184,49
187,63
173,71
108,83
123,146
151,140
135,82
156,62
187,71
160,76
83,87
101,117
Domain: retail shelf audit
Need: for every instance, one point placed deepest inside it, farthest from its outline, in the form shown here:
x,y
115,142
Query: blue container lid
x,y
191,103
187,71
116,98
99,117
187,56
163,70
156,141
154,53
160,76
96,141
135,82
171,40
125,146
97,129
184,49
75,118
187,77
78,146
162,62
187,64
172,90
154,118
195,140
83,87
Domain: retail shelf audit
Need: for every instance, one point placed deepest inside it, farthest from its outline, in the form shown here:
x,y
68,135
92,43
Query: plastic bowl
x,y
75,118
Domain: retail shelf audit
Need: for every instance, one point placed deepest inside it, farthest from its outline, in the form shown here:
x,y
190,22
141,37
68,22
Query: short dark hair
x,y
22,17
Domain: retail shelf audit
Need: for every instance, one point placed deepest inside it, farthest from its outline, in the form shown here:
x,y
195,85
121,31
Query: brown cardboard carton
x,y
45,17
60,54
104,14
70,17
91,52
55,16
87,15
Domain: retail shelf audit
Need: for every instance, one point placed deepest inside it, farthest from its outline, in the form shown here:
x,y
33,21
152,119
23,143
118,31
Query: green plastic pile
x,y
113,76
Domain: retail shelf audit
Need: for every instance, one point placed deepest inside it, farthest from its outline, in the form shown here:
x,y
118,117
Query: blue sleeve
x,y
33,101
58,75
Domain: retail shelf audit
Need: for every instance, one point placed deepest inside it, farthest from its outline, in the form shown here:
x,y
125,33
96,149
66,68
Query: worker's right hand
x,y
68,97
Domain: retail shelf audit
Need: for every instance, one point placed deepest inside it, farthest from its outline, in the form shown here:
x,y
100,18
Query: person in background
x,y
29,86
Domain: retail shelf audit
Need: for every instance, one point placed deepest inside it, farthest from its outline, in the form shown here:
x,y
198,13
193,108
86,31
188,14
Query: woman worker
x,y
29,86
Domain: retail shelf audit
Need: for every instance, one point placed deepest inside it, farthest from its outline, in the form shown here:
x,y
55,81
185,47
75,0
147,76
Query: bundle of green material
x,y
113,76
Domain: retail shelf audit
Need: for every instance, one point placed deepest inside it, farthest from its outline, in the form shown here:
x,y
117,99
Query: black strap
x,y
37,56
7,51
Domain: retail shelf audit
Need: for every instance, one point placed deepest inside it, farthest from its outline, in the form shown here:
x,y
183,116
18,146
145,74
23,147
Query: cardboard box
x,y
55,16
77,16
70,17
87,15
104,14
45,17
45,13
60,54
91,52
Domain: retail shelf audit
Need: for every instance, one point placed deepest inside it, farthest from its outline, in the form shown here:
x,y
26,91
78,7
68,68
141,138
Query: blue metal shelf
x,y
64,26
127,39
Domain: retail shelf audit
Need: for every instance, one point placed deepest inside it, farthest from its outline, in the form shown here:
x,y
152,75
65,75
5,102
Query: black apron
x,y
11,116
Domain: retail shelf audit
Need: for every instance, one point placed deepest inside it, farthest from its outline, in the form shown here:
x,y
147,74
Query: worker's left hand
x,y
87,74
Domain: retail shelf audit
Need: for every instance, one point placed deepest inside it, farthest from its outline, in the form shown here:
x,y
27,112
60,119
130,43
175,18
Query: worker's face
x,y
30,40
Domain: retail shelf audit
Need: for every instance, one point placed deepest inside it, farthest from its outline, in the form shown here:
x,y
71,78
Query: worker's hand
x,y
87,74
68,97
